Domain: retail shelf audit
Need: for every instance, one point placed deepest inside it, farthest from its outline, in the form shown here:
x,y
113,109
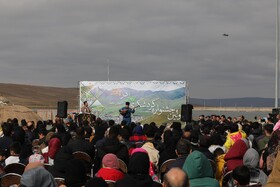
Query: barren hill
x,y
39,96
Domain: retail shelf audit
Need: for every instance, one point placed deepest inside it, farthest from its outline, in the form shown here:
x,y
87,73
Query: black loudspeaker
x,y
62,109
186,112
275,111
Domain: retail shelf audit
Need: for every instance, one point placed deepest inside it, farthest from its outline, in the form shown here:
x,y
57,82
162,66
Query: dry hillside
x,y
39,96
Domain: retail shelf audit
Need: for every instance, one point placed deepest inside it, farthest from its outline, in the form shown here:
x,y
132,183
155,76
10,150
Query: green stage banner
x,y
157,101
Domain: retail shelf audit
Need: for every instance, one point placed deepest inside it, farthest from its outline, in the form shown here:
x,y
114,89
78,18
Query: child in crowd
x,y
241,176
15,149
110,168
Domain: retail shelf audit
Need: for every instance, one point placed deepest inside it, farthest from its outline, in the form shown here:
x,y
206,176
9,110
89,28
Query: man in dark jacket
x,y
80,144
183,149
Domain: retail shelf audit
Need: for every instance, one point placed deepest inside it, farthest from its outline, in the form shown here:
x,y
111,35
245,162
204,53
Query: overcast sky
x,y
61,42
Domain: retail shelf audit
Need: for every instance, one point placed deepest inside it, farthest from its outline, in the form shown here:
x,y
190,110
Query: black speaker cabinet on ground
x,y
62,109
186,112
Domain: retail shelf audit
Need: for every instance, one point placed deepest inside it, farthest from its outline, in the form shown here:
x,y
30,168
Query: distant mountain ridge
x,y
47,97
234,102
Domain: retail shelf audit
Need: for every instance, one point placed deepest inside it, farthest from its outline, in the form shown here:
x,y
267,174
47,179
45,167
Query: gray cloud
x,y
58,43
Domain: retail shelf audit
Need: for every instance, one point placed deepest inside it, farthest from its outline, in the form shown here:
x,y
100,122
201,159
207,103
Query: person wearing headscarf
x,y
53,148
169,147
36,175
152,168
274,177
199,170
110,168
269,154
138,172
234,157
60,162
75,174
251,160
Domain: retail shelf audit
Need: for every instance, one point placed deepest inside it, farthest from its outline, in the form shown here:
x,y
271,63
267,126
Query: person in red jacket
x,y
234,156
110,168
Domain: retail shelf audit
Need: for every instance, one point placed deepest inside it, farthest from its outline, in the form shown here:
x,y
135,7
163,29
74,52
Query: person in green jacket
x,y
199,170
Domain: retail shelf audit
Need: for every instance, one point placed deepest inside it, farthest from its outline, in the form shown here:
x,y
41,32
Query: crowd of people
x,y
212,151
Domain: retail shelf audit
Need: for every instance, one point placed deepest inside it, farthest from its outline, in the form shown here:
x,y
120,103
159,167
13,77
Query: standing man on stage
x,y
85,109
126,112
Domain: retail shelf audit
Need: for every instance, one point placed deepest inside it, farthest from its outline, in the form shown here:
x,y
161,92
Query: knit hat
x,y
110,160
36,158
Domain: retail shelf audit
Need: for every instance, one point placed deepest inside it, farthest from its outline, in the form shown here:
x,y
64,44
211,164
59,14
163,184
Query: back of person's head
x,y
176,126
114,132
30,125
175,177
15,148
255,125
60,128
205,141
111,122
138,130
205,129
23,122
88,130
124,133
233,127
40,124
80,131
7,129
150,131
167,136
153,124
123,123
218,151
42,132
241,175
19,135
183,147
139,164
268,128
15,121
75,175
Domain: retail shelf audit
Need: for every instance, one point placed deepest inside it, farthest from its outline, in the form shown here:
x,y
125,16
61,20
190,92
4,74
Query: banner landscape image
x,y
158,101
